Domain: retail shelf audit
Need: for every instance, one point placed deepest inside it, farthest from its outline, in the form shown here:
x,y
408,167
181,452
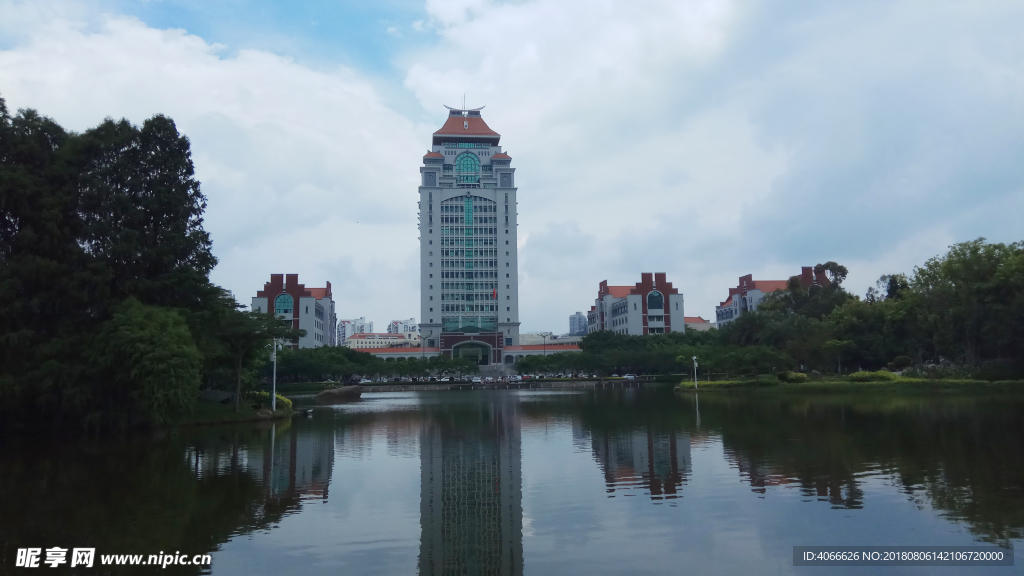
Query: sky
x,y
707,139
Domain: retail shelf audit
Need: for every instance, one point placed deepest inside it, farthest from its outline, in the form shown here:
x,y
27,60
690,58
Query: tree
x,y
149,367
969,301
142,209
836,273
246,333
839,349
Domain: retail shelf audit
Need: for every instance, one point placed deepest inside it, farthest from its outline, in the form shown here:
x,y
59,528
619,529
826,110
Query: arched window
x,y
467,165
283,304
655,300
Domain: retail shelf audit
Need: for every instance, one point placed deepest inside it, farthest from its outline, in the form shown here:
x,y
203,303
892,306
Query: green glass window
x,y
468,167
283,304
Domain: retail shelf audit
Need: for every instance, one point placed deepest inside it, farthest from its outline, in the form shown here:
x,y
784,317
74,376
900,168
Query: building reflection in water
x,y
657,462
471,513
288,462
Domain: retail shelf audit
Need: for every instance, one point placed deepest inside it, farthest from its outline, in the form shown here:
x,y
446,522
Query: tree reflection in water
x,y
961,455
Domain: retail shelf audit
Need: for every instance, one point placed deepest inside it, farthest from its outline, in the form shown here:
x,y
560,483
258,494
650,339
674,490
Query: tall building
x,y
577,324
346,328
749,293
402,326
651,306
309,309
469,266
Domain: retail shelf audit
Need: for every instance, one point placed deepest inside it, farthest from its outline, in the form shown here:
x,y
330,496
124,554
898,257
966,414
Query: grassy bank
x,y
897,384
207,412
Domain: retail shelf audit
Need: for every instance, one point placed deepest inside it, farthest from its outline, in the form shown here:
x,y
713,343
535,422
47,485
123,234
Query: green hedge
x,y
264,399
793,377
866,376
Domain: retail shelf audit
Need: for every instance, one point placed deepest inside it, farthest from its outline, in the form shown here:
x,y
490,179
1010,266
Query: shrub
x,y
263,399
901,362
866,376
793,377
148,364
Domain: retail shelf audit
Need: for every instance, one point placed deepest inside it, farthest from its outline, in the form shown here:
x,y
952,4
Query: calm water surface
x,y
517,482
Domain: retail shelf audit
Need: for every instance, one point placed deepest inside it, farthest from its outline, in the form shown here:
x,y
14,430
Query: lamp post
x,y
694,372
545,335
273,389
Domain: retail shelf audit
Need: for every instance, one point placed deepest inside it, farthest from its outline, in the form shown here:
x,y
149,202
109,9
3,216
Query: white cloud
x,y
710,139
288,157
703,138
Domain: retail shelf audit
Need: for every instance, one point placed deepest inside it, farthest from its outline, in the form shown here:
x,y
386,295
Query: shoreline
x,y
905,385
209,413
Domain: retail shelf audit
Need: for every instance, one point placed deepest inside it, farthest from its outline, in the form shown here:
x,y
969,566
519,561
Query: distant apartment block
x,y
309,309
651,306
403,326
577,324
346,328
749,293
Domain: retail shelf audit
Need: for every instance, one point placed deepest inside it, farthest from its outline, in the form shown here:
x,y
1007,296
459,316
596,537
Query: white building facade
x,y
652,306
403,326
577,324
383,340
346,328
467,220
309,309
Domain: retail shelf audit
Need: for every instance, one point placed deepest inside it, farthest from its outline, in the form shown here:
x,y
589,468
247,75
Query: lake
x,y
635,481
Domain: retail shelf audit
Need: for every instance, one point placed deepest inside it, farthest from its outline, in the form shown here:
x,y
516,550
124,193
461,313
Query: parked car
x,y
488,379
365,381
446,379
477,380
630,376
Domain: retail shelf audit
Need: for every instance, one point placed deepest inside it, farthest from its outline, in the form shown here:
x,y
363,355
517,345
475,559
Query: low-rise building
x,y
309,309
553,340
749,293
380,340
648,307
699,324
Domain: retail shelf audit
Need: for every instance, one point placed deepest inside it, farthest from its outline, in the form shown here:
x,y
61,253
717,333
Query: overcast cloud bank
x,y
705,139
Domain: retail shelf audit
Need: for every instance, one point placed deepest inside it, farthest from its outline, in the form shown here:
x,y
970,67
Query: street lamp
x,y
694,372
545,335
273,389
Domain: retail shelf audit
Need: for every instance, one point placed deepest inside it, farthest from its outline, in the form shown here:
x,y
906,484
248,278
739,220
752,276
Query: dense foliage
x,y
960,314
109,318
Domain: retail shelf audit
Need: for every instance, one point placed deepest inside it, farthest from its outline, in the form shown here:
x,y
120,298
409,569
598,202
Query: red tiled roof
x,y
620,291
455,126
433,155
769,286
501,156
694,320
552,347
318,293
727,302
409,350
